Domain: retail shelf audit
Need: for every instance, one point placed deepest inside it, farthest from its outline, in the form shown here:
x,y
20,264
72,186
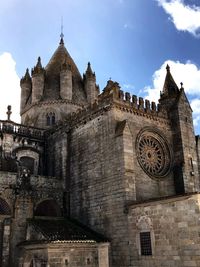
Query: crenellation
x,y
134,101
153,106
121,95
141,103
128,97
147,106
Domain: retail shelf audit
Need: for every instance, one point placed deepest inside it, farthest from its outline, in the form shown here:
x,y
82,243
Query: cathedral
x,y
96,178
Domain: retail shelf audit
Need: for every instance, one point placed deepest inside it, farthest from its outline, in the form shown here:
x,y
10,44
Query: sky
x,y
129,41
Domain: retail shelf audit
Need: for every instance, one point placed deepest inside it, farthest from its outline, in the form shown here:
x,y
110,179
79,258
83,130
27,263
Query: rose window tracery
x,y
153,153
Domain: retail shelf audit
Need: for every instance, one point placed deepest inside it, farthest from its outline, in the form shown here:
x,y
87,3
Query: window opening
x,y
145,244
51,119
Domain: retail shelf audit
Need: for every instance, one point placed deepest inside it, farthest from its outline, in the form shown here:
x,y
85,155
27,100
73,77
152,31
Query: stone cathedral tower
x,y
98,179
50,93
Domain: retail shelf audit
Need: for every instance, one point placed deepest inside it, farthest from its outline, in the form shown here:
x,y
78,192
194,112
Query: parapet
x,y
126,100
21,130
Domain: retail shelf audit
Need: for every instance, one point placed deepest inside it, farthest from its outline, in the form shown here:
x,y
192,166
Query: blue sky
x,y
128,40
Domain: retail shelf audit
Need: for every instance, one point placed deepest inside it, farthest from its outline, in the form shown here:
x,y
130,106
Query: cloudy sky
x,y
130,41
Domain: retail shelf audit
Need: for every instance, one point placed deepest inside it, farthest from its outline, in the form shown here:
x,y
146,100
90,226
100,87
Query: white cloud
x,y
195,104
184,17
9,87
128,86
187,73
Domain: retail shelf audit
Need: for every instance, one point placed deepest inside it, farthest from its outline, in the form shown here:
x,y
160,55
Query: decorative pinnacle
x,y
38,68
39,65
181,85
9,112
168,68
89,68
26,76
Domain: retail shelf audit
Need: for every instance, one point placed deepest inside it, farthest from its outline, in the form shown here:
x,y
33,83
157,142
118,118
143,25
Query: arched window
x,y
145,239
48,120
51,118
29,163
48,208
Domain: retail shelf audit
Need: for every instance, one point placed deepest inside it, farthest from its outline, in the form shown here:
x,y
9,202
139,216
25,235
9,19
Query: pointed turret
x,y
174,101
170,88
60,57
26,86
90,84
37,81
38,68
26,77
89,72
59,86
170,91
66,81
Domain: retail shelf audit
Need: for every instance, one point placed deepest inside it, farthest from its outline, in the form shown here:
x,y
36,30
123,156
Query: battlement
x,y
138,102
19,129
126,100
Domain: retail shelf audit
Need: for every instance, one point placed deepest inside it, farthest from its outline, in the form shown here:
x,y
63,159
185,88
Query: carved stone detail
x,y
153,153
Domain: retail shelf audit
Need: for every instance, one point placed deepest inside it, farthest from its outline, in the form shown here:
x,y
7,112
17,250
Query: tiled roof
x,y
64,230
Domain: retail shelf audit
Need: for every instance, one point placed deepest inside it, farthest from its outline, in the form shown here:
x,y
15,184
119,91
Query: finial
x,y
89,70
27,75
9,112
38,68
168,68
39,65
61,34
181,85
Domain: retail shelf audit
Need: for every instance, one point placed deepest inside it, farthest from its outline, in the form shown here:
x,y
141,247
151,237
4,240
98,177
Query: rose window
x,y
153,154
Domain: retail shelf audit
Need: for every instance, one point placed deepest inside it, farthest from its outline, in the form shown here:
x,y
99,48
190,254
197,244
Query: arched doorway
x,y
48,208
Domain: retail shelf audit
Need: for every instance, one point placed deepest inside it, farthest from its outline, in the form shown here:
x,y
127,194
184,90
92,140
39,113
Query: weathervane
x,y
61,35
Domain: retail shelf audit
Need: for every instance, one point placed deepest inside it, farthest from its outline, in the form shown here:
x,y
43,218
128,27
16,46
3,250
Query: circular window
x,y
153,153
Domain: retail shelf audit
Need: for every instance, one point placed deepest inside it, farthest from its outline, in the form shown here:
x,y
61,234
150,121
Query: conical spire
x,y
60,57
38,68
26,77
39,65
170,88
89,72
89,69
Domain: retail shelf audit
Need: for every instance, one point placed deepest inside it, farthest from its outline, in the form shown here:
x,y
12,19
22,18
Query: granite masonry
x,y
92,179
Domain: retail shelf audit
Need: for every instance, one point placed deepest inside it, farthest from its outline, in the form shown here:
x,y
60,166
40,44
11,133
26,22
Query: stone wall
x,y
174,226
105,174
22,204
140,182
97,185
62,254
36,114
